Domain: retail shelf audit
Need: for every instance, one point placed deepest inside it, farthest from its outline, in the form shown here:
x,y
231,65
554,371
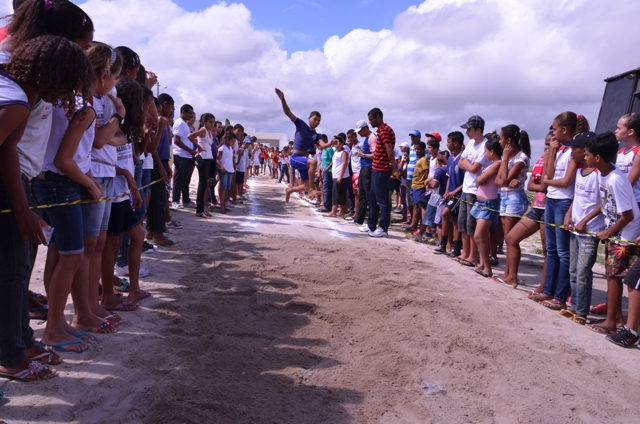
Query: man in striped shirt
x,y
384,166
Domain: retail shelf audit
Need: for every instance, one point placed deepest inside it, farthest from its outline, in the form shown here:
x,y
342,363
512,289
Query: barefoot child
x,y
583,219
621,221
487,205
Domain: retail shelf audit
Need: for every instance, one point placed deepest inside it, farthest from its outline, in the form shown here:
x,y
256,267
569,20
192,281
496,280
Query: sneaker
x,y
207,214
174,224
147,245
121,271
378,233
454,254
624,338
229,205
440,250
494,261
176,205
315,202
144,272
417,238
147,248
431,241
364,228
189,205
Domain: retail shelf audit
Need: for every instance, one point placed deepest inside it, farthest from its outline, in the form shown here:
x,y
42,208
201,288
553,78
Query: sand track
x,y
273,314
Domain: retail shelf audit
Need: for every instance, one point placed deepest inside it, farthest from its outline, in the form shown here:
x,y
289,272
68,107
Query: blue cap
x,y
415,133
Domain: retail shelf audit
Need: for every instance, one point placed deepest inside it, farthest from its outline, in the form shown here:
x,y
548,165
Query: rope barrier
x,y
82,202
614,240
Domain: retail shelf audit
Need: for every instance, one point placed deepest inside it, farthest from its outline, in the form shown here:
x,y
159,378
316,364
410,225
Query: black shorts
x,y
632,279
239,177
122,219
340,191
213,170
261,161
453,204
535,214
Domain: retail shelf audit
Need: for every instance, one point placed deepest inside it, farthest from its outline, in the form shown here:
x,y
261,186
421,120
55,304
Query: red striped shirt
x,y
381,161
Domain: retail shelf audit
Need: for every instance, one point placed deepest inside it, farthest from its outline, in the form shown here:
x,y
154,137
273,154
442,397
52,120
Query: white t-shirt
x,y
181,129
337,165
147,162
433,165
355,159
563,158
624,162
103,161
520,157
125,161
586,199
615,198
206,142
226,160
59,125
242,160
33,144
474,153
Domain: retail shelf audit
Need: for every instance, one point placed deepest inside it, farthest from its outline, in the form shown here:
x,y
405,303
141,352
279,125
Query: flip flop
x,y
501,281
80,334
40,298
50,358
32,369
60,346
554,304
102,328
598,328
169,244
44,311
124,287
126,306
579,320
465,262
567,313
600,309
145,294
115,317
482,272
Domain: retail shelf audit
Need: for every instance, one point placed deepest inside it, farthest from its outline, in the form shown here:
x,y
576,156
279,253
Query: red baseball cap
x,y
435,135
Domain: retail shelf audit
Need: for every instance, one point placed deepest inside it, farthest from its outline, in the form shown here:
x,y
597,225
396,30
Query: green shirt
x,y
327,157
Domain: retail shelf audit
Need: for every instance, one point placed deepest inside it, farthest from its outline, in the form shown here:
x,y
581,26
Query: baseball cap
x,y
580,140
361,124
435,135
405,144
415,133
475,121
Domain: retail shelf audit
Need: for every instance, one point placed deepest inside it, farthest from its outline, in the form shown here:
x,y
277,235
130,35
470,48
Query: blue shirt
x,y
456,175
366,149
305,136
164,147
440,175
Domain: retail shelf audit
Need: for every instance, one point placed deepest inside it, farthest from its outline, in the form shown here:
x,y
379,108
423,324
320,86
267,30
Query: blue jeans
x,y
558,251
380,206
584,250
327,189
284,171
15,269
123,252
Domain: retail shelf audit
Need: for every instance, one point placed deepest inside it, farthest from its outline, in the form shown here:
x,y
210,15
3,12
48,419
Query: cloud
x,y
512,62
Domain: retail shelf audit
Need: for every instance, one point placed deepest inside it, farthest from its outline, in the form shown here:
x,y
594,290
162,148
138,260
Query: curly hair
x,y
131,94
101,56
64,19
58,68
575,123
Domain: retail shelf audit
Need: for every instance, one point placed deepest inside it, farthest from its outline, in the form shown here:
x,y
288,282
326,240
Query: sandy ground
x,y
274,314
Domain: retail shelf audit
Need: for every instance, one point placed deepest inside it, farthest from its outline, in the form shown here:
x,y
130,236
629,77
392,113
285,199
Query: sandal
x,y
125,306
579,320
169,244
104,328
567,313
554,304
124,287
600,309
501,281
47,358
482,272
465,262
39,314
117,320
598,328
34,368
40,298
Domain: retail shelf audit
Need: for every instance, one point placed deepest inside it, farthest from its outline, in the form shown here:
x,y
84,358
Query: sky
x,y
428,65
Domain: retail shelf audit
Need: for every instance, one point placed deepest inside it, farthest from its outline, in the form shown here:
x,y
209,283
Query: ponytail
x,y
575,123
519,137
205,117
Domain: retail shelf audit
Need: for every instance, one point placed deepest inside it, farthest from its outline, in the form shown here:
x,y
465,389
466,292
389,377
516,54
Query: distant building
x,y
271,139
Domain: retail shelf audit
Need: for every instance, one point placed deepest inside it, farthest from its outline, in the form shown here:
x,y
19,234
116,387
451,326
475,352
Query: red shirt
x,y
381,161
3,33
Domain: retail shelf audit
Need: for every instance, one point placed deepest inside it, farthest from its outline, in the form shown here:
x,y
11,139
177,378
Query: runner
x,y
303,143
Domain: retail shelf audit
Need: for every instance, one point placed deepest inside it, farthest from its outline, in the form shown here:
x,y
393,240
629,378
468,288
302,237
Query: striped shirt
x,y
413,158
380,157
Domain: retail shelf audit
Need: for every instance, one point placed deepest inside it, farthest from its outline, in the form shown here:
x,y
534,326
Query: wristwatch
x,y
119,118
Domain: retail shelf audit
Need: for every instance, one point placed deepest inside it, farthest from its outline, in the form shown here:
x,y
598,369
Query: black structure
x,y
621,96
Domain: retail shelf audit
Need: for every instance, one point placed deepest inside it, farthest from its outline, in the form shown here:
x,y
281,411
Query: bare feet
x,y
287,194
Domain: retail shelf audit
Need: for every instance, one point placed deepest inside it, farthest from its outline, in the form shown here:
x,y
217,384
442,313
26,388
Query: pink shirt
x,y
488,190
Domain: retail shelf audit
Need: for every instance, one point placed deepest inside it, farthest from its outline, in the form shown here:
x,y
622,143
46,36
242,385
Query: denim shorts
x,y
123,219
146,180
225,180
485,209
95,215
513,203
430,216
67,221
536,214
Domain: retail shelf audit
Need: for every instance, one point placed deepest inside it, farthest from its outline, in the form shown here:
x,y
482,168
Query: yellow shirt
x,y
420,173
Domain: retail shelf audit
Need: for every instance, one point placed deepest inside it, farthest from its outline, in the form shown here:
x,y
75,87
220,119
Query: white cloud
x,y
511,61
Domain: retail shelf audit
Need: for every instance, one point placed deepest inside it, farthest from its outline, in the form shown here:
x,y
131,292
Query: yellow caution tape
x,y
82,202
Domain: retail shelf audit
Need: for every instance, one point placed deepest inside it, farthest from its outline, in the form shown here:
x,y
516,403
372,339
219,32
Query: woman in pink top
x,y
487,207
